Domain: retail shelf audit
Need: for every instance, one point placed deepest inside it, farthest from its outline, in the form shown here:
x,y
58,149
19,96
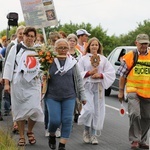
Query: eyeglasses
x,y
62,48
27,35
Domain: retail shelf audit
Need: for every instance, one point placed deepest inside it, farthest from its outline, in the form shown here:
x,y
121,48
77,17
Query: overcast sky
x,y
115,16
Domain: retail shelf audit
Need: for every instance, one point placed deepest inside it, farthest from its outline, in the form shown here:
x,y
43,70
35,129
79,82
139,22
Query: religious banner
x,y
39,13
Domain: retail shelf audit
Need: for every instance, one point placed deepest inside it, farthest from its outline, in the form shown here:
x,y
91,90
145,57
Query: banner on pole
x,y
39,13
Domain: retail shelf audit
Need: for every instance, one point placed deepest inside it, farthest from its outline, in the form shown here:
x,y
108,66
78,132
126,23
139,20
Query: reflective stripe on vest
x,y
138,79
78,47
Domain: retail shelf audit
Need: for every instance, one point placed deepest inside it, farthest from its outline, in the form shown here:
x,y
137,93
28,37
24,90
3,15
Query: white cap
x,y
82,31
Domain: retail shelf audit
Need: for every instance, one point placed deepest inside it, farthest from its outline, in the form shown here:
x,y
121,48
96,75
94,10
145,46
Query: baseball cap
x,y
142,38
82,31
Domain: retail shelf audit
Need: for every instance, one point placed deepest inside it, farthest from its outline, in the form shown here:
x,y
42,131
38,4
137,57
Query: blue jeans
x,y
7,102
1,89
60,113
93,131
45,115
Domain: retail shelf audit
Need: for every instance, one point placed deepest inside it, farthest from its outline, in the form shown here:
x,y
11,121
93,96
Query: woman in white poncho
x,y
22,73
98,75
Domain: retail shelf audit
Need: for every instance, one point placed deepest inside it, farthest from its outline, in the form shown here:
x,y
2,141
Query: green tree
x,y
129,38
108,42
9,32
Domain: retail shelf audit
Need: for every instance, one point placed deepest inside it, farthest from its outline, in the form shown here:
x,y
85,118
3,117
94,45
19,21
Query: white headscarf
x,y
69,63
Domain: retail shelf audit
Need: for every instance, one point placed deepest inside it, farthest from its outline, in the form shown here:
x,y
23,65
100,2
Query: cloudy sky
x,y
115,16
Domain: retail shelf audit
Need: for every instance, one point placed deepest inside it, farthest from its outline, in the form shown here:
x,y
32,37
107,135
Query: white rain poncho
x,y
93,112
25,89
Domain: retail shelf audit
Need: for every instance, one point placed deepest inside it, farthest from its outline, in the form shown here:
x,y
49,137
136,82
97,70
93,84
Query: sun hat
x,y
142,38
82,31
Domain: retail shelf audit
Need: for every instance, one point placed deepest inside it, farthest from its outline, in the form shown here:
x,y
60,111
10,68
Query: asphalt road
x,y
114,136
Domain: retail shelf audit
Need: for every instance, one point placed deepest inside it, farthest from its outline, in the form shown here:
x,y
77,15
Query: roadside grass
x,y
6,141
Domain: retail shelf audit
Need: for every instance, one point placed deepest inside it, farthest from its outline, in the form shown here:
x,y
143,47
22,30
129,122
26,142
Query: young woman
x,y
98,74
72,40
18,39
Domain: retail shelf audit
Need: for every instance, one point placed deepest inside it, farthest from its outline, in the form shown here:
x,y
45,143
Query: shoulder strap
x,y
135,59
19,45
8,50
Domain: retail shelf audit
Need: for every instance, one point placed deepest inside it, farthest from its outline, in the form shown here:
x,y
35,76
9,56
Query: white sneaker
x,y
86,136
46,133
58,134
94,140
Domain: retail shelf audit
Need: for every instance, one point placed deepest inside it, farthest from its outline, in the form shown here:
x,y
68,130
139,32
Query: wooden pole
x,y
58,56
45,39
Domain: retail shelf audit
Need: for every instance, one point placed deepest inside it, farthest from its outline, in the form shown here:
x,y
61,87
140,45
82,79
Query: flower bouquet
x,y
46,57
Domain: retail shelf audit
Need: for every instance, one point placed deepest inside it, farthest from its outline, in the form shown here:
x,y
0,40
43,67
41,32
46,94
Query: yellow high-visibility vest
x,y
138,80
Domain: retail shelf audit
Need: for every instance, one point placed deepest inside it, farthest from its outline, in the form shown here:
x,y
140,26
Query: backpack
x,y
19,45
135,59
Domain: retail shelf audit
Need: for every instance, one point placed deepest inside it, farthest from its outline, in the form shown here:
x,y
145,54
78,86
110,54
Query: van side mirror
x,y
117,63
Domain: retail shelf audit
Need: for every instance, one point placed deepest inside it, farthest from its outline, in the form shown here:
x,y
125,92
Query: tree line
x,y
108,42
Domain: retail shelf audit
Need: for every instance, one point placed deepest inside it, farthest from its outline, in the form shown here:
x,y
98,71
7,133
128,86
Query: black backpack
x,y
135,59
19,45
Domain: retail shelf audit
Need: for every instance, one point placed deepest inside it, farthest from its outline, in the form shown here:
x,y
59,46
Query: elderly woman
x,y
53,37
64,85
22,73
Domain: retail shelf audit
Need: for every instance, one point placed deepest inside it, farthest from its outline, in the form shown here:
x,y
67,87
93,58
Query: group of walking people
x,y
80,75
